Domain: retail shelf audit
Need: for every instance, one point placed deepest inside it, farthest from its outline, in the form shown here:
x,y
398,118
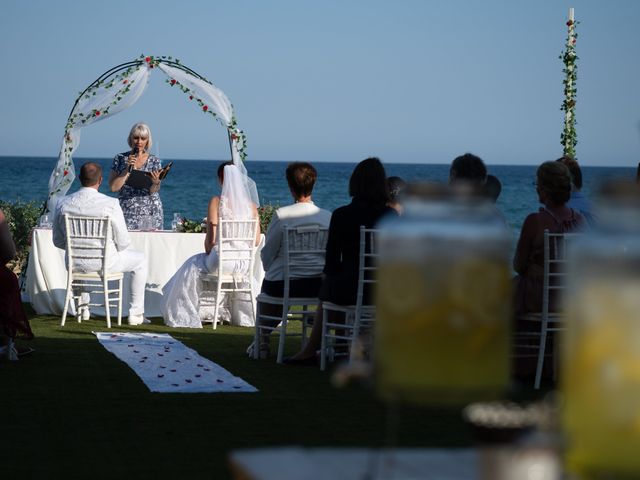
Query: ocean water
x,y
191,183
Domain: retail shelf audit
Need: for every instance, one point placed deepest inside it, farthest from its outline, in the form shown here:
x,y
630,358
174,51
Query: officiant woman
x,y
142,207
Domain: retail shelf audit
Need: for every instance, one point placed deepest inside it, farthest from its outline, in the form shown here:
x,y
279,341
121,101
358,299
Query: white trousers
x,y
136,263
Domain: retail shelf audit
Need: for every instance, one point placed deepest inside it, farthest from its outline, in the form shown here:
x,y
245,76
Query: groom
x,y
88,202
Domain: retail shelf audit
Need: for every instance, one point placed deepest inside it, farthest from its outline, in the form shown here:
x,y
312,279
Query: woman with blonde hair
x,y
553,185
138,202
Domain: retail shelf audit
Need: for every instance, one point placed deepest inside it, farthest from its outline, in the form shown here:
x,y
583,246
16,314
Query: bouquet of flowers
x,y
193,226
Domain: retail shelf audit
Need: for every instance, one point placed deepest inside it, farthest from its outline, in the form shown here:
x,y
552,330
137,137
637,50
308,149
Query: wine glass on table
x,y
176,223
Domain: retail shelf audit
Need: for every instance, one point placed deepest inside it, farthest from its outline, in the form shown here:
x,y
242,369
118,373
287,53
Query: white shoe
x,y
139,319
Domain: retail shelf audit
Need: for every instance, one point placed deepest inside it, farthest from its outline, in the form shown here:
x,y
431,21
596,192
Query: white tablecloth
x,y
165,251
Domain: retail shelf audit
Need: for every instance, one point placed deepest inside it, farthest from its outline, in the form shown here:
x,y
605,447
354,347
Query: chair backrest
x,y
87,240
555,259
304,251
367,264
236,243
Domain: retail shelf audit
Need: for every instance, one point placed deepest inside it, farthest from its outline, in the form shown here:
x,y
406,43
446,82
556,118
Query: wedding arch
x,y
118,89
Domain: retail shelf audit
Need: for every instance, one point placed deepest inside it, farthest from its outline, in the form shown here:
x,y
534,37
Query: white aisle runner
x,y
166,365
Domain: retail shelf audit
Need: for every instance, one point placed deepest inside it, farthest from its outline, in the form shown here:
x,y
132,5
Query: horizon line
x,y
322,161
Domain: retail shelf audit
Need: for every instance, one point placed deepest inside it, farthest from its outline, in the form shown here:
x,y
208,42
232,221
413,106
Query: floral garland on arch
x,y
569,137
236,134
118,89
78,118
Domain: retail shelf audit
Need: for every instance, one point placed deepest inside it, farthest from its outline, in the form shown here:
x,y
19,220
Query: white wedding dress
x,y
181,294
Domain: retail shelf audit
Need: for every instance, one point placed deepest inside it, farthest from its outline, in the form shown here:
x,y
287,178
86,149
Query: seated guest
x,y
468,169
13,319
370,193
554,190
492,188
578,201
301,178
88,202
396,187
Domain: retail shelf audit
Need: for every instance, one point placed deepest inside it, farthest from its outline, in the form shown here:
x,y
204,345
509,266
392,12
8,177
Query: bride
x,y
238,201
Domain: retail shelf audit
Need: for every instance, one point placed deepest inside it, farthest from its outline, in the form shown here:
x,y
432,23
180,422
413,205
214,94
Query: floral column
x,y
569,138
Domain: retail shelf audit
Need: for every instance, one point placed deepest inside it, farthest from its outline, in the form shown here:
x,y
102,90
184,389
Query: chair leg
x,y
12,354
253,301
256,337
105,287
541,352
355,333
66,300
283,333
77,301
217,304
120,301
323,340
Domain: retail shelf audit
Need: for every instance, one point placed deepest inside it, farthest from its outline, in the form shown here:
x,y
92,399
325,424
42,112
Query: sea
x,y
191,183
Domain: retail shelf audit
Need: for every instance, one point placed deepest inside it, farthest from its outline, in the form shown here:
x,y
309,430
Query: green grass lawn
x,y
74,410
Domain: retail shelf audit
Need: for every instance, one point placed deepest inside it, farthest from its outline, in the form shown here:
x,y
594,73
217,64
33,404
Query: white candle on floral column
x,y
571,14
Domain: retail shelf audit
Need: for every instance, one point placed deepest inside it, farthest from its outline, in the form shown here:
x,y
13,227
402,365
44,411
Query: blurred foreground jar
x,y
601,347
443,303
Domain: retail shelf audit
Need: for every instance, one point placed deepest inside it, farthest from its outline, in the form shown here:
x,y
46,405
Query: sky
x,y
410,81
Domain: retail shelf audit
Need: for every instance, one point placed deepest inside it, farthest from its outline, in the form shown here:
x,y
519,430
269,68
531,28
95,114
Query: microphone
x,y
135,154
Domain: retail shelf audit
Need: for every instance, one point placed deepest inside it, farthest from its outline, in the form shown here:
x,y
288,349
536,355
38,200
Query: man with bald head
x,y
88,202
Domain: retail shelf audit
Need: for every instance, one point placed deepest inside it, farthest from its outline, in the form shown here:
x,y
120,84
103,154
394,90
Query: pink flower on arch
x,y
147,59
205,108
97,113
173,82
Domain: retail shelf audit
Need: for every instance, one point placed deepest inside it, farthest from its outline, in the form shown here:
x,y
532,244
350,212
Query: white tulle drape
x,y
103,99
219,104
112,97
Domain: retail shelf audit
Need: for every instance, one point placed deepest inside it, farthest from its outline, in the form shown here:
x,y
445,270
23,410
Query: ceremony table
x,y
165,251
